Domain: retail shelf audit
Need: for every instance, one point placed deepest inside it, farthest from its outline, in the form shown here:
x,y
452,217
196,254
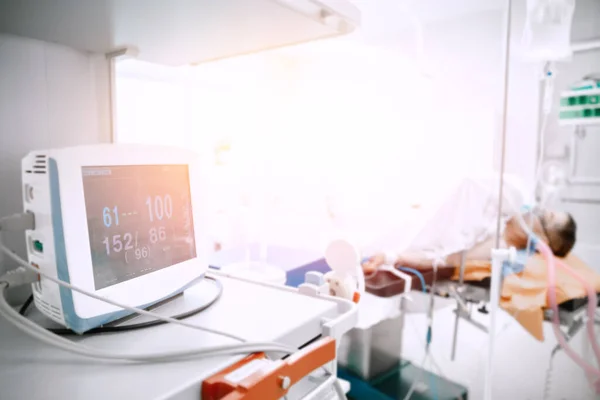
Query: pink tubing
x,y
592,302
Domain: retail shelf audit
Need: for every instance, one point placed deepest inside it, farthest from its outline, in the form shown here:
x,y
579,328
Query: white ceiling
x,y
380,21
386,16
426,10
173,32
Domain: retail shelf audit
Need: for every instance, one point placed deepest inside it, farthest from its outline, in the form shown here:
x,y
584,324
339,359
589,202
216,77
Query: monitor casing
x,y
53,191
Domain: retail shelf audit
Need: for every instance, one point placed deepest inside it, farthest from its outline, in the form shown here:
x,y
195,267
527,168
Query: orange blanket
x,y
525,295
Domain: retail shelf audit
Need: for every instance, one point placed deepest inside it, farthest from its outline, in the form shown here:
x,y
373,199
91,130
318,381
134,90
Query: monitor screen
x,y
139,220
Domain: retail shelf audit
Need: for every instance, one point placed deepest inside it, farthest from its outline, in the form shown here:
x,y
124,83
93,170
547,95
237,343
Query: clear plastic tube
x,y
552,262
592,301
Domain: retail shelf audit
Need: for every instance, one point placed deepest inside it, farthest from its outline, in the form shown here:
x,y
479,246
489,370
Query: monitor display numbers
x,y
162,209
159,207
106,216
139,220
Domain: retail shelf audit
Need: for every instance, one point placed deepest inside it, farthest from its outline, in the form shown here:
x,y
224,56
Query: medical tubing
x,y
418,274
436,263
552,262
547,253
592,301
545,250
547,108
136,310
413,387
592,304
540,161
428,336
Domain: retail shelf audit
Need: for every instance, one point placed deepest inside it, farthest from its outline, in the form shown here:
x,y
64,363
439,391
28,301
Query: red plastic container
x,y
386,284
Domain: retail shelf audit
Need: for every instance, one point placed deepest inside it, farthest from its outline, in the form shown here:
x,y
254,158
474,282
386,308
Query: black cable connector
x,y
25,306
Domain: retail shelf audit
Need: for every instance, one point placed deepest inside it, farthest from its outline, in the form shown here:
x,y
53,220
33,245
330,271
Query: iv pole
x,y
499,255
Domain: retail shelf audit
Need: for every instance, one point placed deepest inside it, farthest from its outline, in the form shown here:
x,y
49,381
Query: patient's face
x,y
544,223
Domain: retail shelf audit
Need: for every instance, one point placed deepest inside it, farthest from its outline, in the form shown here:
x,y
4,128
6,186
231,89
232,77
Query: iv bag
x,y
547,34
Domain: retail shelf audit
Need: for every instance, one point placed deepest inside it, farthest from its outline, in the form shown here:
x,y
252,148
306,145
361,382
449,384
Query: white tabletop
x,y
31,370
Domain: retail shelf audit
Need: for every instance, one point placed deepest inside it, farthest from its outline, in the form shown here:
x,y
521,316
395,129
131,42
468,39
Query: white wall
x,y
50,96
466,52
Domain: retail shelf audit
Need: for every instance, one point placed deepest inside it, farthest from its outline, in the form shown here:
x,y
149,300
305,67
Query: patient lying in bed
x,y
524,293
557,229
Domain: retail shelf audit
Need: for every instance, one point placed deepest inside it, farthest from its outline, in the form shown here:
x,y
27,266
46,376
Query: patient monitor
x,y
122,221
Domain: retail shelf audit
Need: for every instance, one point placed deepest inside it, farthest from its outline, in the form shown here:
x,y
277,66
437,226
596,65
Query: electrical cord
x,y
43,335
24,275
148,324
27,221
136,310
25,306
37,332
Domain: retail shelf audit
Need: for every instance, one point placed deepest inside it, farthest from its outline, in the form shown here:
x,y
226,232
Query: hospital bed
x,y
572,313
